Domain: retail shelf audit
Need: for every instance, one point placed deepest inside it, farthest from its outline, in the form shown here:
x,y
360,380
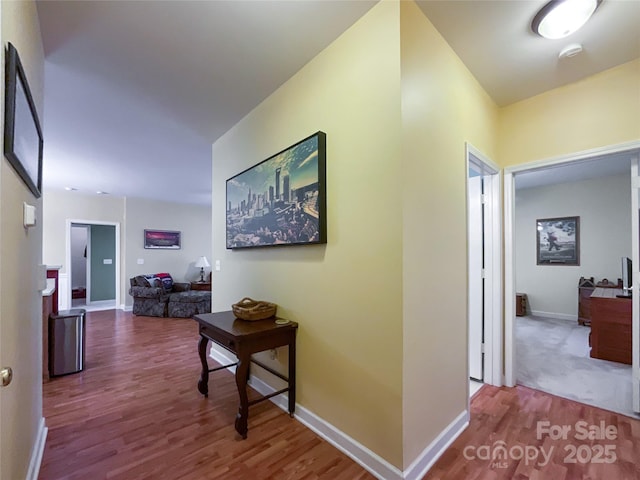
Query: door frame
x,y
635,283
493,266
509,239
68,256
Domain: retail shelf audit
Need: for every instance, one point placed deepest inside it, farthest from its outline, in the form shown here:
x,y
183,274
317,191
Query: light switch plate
x,y
29,215
140,261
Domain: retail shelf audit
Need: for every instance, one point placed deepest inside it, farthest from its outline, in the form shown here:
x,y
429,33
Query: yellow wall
x,y
347,295
20,255
601,110
380,317
443,107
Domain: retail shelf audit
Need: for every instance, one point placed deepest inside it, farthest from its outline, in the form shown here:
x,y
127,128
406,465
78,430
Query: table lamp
x,y
202,262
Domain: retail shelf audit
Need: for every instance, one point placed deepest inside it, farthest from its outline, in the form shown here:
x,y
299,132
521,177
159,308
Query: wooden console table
x,y
610,326
244,338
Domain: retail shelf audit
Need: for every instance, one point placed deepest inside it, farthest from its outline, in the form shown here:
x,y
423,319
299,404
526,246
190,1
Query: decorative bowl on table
x,y
250,309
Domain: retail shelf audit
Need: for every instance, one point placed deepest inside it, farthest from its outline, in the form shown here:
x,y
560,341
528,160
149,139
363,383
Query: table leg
x,y
242,374
203,383
292,377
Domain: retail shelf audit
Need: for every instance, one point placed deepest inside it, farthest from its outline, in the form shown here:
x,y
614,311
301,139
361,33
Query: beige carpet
x,y
553,356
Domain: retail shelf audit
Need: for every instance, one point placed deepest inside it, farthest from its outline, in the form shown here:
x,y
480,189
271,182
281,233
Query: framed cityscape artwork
x,y
558,241
281,200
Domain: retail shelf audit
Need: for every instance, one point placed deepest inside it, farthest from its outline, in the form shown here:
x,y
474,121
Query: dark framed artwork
x,y
162,239
22,134
281,200
558,241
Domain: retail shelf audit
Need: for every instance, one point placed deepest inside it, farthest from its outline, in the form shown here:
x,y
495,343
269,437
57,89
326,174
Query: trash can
x,y
66,342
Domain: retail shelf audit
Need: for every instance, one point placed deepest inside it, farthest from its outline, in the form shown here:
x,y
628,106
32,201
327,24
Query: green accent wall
x,y
103,277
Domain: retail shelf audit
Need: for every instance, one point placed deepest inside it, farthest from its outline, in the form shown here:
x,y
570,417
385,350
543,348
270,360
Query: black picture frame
x,y
558,241
280,201
23,142
162,239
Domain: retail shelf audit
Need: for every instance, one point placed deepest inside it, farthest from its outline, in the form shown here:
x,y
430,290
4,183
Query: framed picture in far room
x,y
167,239
558,241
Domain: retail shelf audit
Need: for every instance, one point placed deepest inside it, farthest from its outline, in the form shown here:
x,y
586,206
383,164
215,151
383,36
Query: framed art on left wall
x,y
22,134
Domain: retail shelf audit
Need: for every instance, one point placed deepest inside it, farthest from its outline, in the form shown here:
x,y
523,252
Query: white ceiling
x,y
494,40
595,167
136,92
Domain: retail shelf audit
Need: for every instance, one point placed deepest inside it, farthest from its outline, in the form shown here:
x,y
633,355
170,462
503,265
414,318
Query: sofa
x,y
157,295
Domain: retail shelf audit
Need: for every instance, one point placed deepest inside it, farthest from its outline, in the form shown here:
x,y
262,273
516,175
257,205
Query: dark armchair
x,y
151,293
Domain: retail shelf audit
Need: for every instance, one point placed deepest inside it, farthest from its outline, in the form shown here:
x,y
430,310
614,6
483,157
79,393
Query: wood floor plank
x,y
510,417
135,413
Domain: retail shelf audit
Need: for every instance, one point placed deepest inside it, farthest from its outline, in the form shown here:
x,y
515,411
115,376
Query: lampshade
x,y
202,262
560,18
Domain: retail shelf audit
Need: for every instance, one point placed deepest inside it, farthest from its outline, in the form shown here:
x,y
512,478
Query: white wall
x,y
193,221
133,215
604,208
60,206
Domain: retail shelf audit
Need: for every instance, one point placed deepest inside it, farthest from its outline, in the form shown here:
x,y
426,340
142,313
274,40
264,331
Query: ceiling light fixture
x,y
70,189
560,18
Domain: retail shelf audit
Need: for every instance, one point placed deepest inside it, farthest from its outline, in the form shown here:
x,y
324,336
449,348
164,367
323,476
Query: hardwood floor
x,y
512,416
134,413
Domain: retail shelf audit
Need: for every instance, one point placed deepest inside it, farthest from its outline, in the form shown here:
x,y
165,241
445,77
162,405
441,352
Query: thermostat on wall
x,y
29,215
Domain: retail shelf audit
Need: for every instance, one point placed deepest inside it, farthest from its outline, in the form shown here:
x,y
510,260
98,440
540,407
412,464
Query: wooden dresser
x,y
586,286
610,337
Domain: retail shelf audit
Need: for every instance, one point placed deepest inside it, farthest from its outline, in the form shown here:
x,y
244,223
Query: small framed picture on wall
x,y
162,239
558,241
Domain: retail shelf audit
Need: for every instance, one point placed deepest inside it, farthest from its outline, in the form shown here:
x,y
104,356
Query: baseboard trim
x,y
421,465
360,454
558,316
36,453
222,357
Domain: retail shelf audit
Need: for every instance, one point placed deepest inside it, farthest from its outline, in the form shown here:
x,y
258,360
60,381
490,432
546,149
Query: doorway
x,y
599,161
484,286
93,262
80,252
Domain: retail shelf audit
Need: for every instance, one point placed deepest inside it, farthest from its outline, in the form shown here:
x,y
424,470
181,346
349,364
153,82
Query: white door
x,y
635,244
476,282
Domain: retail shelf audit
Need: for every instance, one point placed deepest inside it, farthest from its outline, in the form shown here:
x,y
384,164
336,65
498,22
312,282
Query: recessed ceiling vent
x,y
570,51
